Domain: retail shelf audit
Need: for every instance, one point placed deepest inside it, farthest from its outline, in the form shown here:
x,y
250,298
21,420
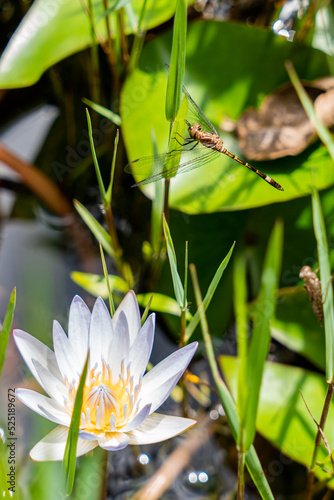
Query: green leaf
x,y
177,62
157,208
107,113
241,321
209,294
112,173
106,279
177,135
51,32
98,231
177,283
224,185
95,161
96,284
282,416
326,285
69,461
258,350
161,303
6,328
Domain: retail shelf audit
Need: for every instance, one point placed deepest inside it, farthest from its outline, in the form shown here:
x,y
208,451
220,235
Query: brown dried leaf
x,y
281,127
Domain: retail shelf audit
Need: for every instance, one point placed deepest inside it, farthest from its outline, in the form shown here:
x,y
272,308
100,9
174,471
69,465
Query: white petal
x,y
44,406
31,348
131,309
168,370
52,386
91,436
159,427
101,334
64,353
114,441
158,395
120,345
78,329
52,446
141,349
138,419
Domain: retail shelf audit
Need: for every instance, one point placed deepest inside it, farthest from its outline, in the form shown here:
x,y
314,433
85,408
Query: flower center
x,y
106,406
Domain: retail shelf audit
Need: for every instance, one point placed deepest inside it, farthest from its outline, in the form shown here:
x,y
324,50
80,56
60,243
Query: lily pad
x,y
223,85
51,31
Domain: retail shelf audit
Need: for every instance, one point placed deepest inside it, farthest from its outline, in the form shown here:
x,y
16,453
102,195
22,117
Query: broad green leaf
x,y
296,326
98,231
177,62
209,294
251,458
177,283
96,284
259,344
161,303
223,184
69,460
326,285
50,32
107,113
282,416
6,328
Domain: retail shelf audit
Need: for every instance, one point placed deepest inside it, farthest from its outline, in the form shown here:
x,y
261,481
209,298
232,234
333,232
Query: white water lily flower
x,y
119,401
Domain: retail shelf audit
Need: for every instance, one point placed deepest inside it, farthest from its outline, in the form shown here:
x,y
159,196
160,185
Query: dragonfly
x,y
201,147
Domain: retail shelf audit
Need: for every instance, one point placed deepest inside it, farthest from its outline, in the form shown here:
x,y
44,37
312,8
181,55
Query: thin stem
x,y
241,475
327,403
166,206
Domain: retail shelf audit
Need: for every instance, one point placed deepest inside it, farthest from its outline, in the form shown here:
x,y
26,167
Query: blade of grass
x,y
69,461
241,321
259,344
147,309
107,113
183,322
6,328
95,227
112,173
106,277
177,284
209,294
177,62
252,461
326,285
157,207
323,133
96,163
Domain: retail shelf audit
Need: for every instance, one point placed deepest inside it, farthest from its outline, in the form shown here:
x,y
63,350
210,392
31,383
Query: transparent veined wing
x,y
151,168
196,115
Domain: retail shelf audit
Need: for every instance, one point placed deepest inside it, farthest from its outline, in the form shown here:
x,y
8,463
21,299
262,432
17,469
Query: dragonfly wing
x,y
190,160
197,114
